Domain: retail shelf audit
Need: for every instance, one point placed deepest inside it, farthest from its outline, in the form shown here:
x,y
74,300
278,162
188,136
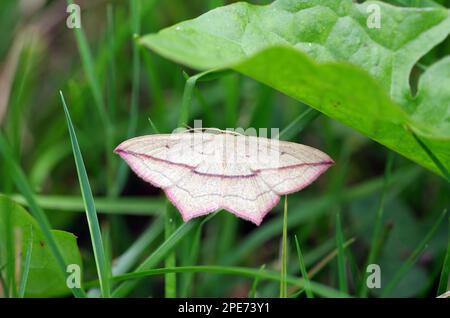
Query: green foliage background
x,y
382,114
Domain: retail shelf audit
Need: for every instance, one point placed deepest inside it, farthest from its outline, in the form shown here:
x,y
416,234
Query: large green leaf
x,y
323,53
432,103
45,278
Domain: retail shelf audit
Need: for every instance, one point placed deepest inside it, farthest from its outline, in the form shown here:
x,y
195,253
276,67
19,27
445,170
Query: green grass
x,y
94,83
317,288
89,205
112,71
23,80
170,278
341,259
11,239
303,272
134,206
299,123
413,257
432,156
193,252
158,255
255,283
95,87
377,237
131,256
116,90
188,94
232,89
135,15
445,273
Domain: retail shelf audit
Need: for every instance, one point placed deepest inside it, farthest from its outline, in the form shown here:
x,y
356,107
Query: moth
x,y
202,171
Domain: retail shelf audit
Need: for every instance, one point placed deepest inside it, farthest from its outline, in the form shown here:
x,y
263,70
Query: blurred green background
x,y
39,56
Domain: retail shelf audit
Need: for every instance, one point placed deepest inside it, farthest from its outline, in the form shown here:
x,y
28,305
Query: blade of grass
x,y
111,80
107,243
303,272
327,259
22,80
152,124
299,123
89,69
207,110
317,288
186,281
158,255
111,96
154,82
22,184
122,171
321,265
187,98
432,156
135,9
227,233
342,275
189,88
26,265
170,279
231,89
107,246
444,280
377,231
262,112
283,272
46,162
412,258
129,205
91,213
255,283
10,245
320,251
94,84
131,256
353,270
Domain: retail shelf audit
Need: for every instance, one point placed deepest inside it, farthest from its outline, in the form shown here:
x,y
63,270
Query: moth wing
x,y
151,158
203,172
292,166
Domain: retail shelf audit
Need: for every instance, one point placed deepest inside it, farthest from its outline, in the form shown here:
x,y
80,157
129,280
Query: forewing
x,y
149,157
